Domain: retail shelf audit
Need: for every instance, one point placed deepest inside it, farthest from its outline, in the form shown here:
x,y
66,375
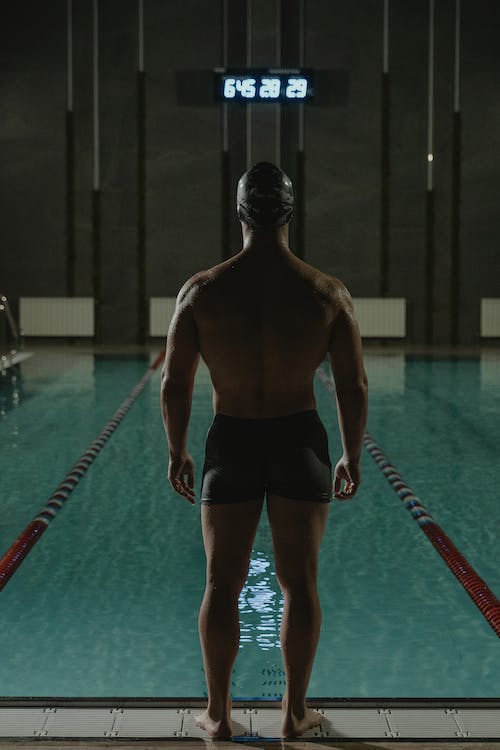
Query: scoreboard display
x,y
264,85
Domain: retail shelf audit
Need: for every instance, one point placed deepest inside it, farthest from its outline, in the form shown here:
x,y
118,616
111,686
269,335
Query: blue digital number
x,y
265,88
270,88
229,88
297,88
246,87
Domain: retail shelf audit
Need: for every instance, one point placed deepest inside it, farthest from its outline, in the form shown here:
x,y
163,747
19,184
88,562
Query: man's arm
x,y
182,357
351,384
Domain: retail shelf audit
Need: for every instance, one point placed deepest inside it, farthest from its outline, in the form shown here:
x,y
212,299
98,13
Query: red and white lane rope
x,y
32,533
477,589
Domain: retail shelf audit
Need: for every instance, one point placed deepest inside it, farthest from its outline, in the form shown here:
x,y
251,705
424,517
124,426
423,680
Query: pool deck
x,y
155,345
362,723
285,745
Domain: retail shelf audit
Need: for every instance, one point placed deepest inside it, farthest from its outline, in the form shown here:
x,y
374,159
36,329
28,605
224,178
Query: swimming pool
x,y
106,604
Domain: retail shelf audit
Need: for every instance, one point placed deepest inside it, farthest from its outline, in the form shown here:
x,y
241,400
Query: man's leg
x,y
228,534
297,528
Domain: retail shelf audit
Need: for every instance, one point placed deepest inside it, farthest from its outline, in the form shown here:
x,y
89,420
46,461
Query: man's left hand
x,y
181,475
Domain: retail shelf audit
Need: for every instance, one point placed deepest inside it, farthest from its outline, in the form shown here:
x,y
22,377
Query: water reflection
x,y
490,373
386,372
261,605
11,390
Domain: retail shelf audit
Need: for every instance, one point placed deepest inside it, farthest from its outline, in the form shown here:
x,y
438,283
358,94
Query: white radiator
x,y
56,316
490,316
161,311
380,316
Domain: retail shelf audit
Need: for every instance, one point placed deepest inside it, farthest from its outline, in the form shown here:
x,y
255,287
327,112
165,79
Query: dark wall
x,y
183,231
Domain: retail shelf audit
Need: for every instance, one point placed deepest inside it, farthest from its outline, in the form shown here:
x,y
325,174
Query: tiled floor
x,y
254,722
256,745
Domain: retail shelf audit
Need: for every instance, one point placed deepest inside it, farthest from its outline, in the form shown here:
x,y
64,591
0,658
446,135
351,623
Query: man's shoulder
x,y
334,288
203,279
339,290
190,289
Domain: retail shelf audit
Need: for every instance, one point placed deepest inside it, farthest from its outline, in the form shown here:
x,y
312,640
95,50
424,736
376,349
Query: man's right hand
x,y
348,472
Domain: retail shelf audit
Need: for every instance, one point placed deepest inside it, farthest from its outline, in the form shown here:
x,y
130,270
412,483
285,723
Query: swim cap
x,y
265,196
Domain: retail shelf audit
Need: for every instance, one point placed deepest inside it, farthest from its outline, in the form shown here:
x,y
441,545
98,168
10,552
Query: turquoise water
x,y
106,604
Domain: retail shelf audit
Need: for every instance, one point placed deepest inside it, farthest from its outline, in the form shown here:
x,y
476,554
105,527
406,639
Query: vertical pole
x,y
456,88
95,60
385,159
430,249
278,65
456,181
142,313
69,55
248,105
96,192
300,157
70,158
430,100
225,163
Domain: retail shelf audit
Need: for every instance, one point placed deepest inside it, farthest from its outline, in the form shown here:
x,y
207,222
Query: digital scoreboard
x,y
264,85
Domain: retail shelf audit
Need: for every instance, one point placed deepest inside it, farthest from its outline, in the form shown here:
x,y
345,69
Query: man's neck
x,y
266,241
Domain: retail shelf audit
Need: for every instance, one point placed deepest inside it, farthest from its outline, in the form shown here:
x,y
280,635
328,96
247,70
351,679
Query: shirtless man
x,y
263,321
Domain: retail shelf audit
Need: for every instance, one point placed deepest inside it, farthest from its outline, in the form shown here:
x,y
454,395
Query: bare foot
x,y
221,730
293,725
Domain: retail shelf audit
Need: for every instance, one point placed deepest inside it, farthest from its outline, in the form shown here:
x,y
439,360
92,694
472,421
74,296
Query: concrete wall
x,y
183,163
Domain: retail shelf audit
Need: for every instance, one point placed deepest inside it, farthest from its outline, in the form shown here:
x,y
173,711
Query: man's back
x,y
264,324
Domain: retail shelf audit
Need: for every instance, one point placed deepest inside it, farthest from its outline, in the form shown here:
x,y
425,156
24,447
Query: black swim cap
x,y
265,196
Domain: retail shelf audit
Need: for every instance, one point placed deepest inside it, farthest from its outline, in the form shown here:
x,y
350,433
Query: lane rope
x,y
19,550
482,596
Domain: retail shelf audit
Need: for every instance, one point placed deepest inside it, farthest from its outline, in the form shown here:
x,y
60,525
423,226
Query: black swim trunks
x,y
288,456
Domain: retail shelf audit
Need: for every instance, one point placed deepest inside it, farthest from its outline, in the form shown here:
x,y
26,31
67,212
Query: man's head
x,y
265,197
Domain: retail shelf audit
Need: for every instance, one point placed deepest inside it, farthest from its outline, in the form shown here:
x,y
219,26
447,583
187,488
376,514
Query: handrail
x,y
15,331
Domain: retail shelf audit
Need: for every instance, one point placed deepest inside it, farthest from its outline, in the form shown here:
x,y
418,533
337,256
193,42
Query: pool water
x,y
106,604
